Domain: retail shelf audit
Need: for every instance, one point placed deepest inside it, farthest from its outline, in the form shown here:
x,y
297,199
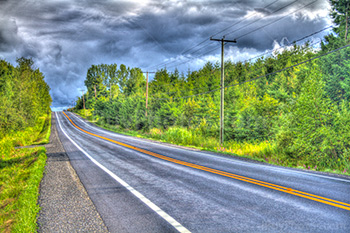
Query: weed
x,y
265,151
21,171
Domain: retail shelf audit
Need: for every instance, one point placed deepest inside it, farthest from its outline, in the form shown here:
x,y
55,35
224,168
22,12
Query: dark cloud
x,y
263,11
8,35
65,37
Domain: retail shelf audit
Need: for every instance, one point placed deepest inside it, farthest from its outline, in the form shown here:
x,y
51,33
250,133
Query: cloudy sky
x,y
65,37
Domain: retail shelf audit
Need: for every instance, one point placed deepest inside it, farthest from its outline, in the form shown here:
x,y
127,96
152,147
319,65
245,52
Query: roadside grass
x,y
44,135
39,134
265,151
21,171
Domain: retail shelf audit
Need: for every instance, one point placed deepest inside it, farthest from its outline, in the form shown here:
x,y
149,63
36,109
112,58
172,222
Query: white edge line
x,y
231,160
145,200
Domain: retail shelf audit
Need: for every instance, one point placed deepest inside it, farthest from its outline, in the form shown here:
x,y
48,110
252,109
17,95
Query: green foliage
x,y
298,116
24,96
20,176
340,14
24,119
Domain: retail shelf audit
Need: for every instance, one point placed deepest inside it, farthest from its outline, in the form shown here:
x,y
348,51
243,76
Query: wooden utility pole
x,y
83,101
95,92
222,86
147,90
346,22
146,94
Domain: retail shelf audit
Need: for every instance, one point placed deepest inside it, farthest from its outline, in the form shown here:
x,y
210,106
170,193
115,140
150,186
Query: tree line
x,y
302,111
24,96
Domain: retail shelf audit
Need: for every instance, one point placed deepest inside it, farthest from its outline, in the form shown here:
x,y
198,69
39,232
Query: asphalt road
x,y
162,188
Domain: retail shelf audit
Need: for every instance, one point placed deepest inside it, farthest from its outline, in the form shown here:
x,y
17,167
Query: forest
x,y
25,119
25,100
290,107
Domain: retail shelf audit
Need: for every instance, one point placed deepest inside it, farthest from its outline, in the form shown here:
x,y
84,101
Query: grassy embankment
x,y
20,176
260,151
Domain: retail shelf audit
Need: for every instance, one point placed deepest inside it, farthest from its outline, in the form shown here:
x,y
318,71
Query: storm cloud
x,y
65,37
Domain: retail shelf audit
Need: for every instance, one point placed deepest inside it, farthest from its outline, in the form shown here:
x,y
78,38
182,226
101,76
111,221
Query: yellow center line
x,y
295,192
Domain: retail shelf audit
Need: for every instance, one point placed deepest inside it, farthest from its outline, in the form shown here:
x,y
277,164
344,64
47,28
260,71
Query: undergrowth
x,y
21,171
264,151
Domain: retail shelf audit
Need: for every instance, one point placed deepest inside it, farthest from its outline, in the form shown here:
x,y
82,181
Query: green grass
x,y
44,135
21,171
264,151
39,134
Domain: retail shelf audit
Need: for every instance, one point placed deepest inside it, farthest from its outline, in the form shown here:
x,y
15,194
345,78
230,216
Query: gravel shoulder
x,y
65,204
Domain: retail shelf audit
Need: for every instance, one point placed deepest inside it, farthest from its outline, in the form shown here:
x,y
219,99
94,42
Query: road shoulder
x,y
65,204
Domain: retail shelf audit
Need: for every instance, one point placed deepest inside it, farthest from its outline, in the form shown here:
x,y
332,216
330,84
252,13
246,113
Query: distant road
x,y
142,186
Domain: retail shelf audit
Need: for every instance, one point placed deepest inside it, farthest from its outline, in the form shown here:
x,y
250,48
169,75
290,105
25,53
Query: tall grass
x,y
21,171
264,151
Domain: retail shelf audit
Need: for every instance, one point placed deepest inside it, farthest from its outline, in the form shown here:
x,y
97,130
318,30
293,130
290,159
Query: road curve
x,y
141,186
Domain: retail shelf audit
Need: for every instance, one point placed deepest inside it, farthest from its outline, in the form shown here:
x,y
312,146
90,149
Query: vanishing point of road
x,y
143,186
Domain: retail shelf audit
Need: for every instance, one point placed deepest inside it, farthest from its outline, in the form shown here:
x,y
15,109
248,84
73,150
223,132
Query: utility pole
x,y
84,103
146,94
346,22
222,85
147,90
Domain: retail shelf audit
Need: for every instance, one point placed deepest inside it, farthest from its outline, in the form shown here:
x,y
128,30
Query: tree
x,y
24,96
340,14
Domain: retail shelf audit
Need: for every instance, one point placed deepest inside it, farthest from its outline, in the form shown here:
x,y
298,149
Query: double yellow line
x,y
295,192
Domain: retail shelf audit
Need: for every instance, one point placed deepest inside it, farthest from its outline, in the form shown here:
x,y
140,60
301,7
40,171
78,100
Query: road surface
x,y
142,186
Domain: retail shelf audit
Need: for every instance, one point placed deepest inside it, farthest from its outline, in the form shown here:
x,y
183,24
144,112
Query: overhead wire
x,y
232,25
261,76
260,55
236,23
244,19
265,53
279,9
268,24
292,66
290,43
255,71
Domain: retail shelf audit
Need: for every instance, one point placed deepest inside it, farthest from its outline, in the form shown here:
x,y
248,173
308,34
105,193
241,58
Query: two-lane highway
x,y
142,186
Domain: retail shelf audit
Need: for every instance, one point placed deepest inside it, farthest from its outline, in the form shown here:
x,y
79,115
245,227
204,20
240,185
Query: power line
x,y
252,72
268,52
200,43
259,77
289,67
244,19
295,41
260,55
279,9
276,20
236,23
190,59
